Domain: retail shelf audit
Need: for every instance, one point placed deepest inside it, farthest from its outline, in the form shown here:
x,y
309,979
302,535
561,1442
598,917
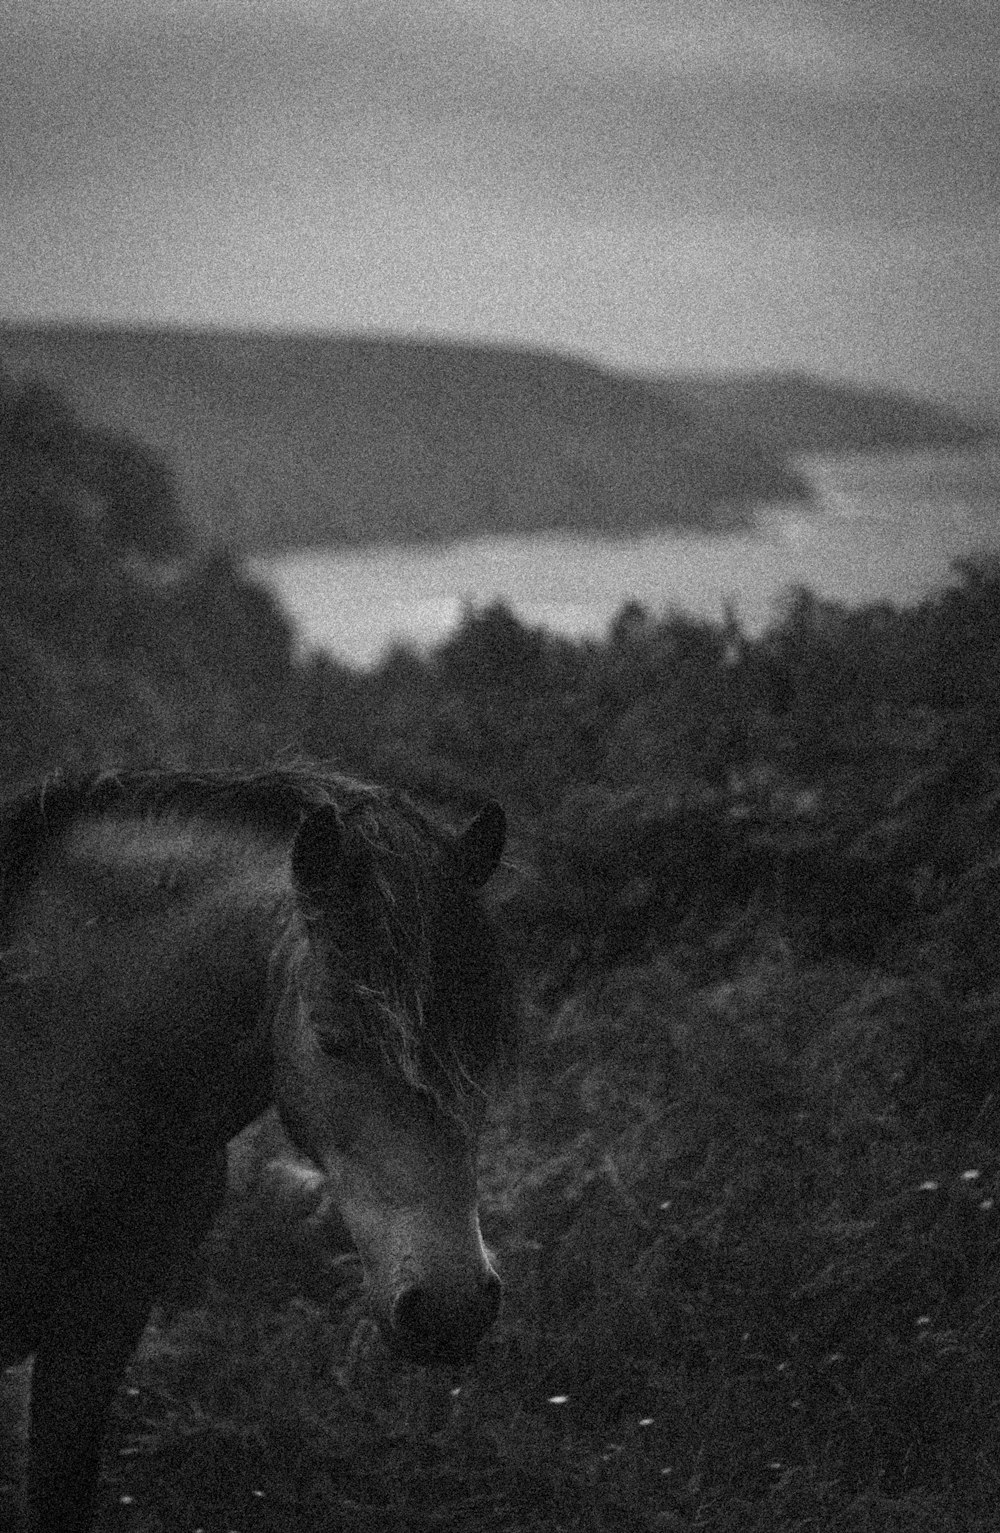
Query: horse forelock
x,y
379,943
389,950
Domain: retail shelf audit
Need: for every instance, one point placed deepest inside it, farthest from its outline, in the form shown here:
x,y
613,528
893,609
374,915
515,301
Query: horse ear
x,y
316,851
476,851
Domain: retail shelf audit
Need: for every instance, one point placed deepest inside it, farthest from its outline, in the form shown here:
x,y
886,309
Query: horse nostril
x,y
432,1327
412,1312
493,1292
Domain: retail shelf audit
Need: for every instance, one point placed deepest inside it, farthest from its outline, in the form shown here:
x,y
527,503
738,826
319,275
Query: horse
x,y
179,951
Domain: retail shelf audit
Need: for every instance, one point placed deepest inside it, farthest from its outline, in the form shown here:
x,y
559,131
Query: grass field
x,y
742,1293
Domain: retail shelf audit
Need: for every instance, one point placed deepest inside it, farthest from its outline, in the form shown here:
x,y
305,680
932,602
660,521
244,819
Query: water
x,y
884,527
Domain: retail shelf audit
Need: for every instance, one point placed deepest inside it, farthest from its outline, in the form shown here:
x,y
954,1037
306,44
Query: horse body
x,y
177,953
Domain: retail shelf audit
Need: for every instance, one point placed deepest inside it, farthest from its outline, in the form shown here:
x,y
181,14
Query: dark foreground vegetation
x,y
745,1195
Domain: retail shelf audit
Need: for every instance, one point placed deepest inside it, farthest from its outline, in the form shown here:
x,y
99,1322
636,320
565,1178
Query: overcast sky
x,y
659,185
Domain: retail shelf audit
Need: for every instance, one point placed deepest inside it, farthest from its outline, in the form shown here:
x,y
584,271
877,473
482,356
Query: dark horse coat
x,y
176,953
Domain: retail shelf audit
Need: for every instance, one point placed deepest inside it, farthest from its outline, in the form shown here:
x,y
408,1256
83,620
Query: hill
x,y
286,440
789,413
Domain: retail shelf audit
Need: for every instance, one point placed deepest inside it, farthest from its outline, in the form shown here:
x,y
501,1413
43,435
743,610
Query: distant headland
x,y
291,440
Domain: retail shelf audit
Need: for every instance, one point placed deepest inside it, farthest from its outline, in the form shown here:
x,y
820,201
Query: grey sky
x,y
714,183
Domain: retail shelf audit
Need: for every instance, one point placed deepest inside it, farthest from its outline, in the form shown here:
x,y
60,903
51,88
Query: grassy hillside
x,y
289,440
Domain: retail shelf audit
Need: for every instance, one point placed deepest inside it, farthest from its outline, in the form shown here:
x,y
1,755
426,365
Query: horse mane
x,y
268,800
262,797
396,860
39,817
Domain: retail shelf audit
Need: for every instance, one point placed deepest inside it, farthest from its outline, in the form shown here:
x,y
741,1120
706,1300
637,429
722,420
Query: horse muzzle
x,y
429,1326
